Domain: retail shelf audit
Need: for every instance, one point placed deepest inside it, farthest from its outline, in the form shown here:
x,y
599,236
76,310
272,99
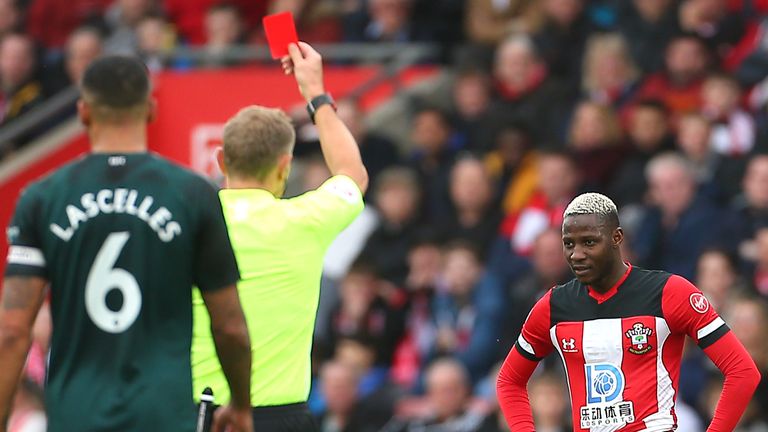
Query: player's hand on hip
x,y
231,419
306,65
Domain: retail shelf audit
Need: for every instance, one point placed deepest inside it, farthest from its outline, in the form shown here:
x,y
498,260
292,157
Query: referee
x,y
280,245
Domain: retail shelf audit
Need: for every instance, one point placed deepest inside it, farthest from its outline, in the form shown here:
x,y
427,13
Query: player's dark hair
x,y
116,82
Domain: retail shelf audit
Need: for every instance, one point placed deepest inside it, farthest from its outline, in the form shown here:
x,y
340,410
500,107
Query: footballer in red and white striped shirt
x,y
619,331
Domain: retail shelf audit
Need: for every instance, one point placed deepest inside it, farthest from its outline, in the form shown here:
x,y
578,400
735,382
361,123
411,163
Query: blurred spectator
x,y
526,93
548,268
448,396
468,310
679,85
378,152
595,138
156,39
718,278
733,132
396,199
383,21
558,182
50,22
223,31
490,21
471,101
562,38
752,204
647,25
375,395
122,19
609,74
189,15
473,217
10,17
425,262
339,388
749,61
549,404
346,407
718,175
20,90
432,158
649,134
513,165
712,21
670,234
760,276
83,46
363,312
28,411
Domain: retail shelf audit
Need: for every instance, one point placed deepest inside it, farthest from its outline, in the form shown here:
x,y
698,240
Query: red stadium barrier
x,y
192,107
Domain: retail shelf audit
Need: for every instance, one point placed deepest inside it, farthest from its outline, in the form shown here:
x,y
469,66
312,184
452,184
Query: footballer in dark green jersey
x,y
120,236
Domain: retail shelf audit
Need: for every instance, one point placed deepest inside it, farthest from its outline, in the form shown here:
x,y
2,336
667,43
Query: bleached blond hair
x,y
593,203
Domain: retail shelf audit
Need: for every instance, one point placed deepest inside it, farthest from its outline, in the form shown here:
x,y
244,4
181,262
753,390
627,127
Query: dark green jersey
x,y
122,239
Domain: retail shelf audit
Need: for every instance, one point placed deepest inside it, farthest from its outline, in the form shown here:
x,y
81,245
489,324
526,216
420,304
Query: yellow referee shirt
x,y
280,245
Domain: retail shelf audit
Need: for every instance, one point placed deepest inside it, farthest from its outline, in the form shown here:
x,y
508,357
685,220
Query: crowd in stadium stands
x,y
661,104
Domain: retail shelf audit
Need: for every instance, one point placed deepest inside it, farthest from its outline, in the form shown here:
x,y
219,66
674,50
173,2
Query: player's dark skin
x,y
591,246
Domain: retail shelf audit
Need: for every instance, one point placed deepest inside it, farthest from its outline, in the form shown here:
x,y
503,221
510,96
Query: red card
x,y
281,32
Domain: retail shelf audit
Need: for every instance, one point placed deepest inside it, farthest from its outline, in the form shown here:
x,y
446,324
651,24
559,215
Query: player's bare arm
x,y
22,297
340,149
233,345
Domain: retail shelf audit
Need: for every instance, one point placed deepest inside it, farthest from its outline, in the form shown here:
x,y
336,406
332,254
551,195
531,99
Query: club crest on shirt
x,y
638,336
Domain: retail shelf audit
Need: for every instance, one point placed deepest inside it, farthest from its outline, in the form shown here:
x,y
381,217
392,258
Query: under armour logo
x,y
569,345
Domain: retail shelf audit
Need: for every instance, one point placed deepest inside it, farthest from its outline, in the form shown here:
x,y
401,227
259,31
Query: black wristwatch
x,y
317,102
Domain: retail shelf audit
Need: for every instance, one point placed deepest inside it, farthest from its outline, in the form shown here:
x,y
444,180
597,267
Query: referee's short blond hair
x,y
593,203
255,138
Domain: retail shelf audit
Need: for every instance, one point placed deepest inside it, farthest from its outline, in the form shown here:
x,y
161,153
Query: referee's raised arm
x,y
340,150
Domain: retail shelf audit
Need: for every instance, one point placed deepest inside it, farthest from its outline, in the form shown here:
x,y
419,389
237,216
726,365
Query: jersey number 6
x,y
102,278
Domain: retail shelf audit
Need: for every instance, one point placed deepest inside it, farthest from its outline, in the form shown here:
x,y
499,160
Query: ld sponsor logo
x,y
605,407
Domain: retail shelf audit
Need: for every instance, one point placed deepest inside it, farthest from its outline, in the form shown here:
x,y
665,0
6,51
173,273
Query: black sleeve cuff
x,y
526,354
714,336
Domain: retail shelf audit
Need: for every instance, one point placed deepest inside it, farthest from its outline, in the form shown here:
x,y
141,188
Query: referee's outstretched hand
x,y
231,419
306,65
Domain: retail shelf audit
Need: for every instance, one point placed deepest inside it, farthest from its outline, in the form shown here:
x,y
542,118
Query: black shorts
x,y
279,418
284,418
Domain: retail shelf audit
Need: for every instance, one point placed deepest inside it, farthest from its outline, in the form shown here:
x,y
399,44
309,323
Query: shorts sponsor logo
x,y
638,336
699,303
605,386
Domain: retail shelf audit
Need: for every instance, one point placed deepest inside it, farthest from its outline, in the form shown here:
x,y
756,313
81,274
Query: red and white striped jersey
x,y
622,349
